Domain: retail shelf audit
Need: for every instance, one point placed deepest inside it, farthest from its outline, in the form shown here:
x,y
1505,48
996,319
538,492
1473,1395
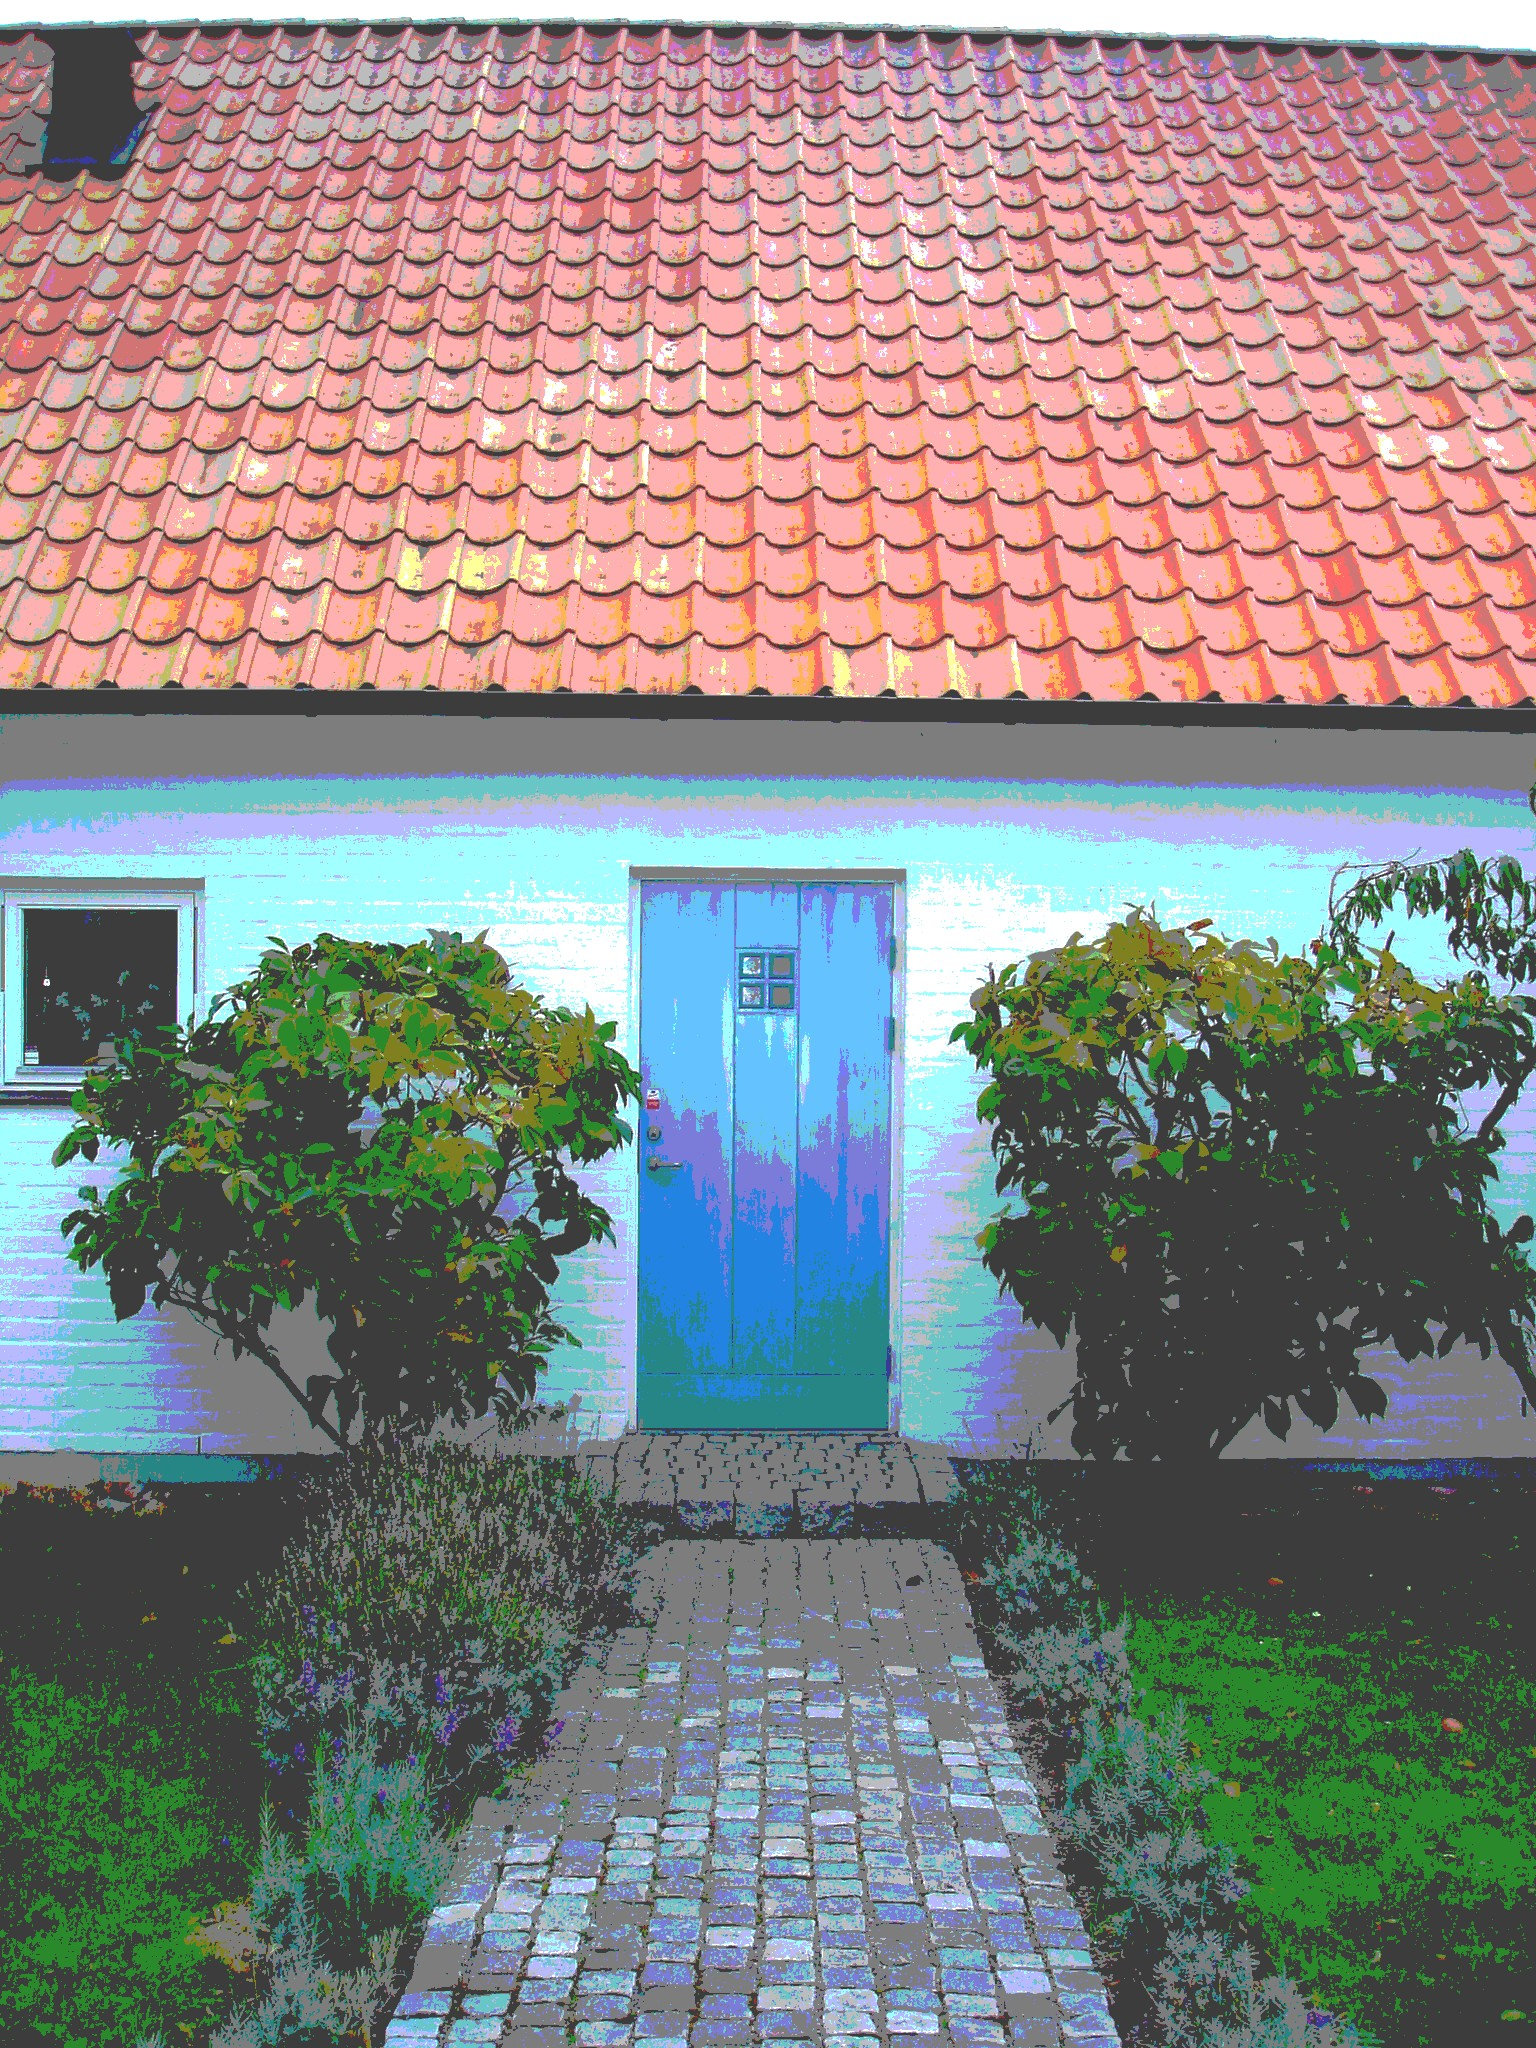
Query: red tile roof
x,y
669,360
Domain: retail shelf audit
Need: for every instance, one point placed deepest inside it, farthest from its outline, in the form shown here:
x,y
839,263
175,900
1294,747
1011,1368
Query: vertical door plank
x,y
687,1031
763,1261
842,1254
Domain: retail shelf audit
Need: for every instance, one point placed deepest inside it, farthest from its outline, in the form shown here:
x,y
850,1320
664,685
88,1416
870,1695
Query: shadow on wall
x,y
1454,1407
75,1379
979,1379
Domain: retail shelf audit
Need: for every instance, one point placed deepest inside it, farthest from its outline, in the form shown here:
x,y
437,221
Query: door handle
x,y
653,1162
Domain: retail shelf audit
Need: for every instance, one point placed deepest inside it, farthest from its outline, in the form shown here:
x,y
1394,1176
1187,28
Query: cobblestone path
x,y
789,1809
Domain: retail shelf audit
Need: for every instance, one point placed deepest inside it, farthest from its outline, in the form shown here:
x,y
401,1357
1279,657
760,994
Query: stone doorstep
x,y
797,1517
693,1473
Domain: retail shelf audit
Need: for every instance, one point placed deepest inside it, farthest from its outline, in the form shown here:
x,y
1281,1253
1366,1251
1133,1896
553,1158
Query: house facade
x,y
767,527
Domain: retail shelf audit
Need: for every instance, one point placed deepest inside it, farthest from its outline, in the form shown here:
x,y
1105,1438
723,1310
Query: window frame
x,y
19,895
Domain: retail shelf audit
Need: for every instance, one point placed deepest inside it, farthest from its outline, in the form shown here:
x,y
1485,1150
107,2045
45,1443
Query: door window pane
x,y
766,981
92,977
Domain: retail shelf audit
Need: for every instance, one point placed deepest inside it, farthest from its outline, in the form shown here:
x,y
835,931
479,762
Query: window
x,y
766,981
85,968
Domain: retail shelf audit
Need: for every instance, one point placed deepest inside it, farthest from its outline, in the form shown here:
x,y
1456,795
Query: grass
x,y
123,1835
1393,1860
128,1773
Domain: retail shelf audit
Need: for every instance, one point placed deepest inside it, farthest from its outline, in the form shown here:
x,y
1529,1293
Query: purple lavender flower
x,y
442,1690
307,1678
507,1734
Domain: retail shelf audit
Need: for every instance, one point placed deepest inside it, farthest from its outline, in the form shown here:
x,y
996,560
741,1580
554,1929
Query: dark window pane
x,y
782,997
92,976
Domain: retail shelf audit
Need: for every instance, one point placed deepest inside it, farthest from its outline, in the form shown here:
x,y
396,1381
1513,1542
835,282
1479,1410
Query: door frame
x,y
726,874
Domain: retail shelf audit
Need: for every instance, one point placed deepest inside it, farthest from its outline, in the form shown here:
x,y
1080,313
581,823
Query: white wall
x,y
1010,837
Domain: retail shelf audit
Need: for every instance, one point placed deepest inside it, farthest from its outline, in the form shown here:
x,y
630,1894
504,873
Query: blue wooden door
x,y
765,1155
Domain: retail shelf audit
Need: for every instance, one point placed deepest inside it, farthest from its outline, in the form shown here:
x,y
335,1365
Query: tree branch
x,y
270,1360
1508,1095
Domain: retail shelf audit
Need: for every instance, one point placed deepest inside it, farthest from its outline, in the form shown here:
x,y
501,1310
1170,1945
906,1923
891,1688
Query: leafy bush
x,y
1240,1170
351,1132
441,1587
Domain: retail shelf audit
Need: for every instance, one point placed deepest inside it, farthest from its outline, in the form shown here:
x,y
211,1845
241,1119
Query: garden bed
x,y
182,1663
1321,1629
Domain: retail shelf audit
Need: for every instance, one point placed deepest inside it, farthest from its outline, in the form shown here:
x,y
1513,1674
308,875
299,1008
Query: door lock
x,y
653,1132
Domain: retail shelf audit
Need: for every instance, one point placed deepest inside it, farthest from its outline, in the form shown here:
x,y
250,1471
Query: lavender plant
x,y
441,1587
335,1905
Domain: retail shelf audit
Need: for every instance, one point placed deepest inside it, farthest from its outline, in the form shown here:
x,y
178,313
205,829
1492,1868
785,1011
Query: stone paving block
x,y
438,1965
935,1472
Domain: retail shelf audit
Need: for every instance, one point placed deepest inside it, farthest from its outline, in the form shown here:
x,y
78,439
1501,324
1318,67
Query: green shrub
x,y
424,1539
1133,1805
1205,1994
307,2004
335,1909
444,1588
410,1635
454,1705
1040,1584
372,1859
1074,1676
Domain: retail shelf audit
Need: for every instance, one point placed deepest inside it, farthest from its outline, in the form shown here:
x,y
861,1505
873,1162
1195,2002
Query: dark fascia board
x,y
945,31
432,703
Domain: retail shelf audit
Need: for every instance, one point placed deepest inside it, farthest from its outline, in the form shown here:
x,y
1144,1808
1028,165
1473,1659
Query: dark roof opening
x,y
95,119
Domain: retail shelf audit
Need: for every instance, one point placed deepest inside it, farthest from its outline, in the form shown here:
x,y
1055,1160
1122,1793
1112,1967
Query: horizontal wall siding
x,y
512,839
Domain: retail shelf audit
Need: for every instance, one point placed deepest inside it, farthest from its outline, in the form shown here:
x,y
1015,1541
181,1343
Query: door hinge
x,y
890,1034
893,952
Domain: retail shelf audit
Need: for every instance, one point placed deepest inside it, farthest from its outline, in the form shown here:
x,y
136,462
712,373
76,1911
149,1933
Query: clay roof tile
x,y
673,360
